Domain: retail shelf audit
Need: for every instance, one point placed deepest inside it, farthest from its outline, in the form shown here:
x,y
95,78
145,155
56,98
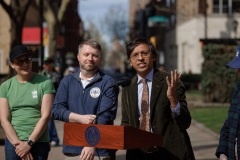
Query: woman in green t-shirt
x,y
26,101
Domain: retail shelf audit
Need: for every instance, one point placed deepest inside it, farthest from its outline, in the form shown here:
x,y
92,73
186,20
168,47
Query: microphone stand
x,y
116,88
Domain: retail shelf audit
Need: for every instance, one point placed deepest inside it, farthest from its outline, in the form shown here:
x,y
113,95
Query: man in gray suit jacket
x,y
168,112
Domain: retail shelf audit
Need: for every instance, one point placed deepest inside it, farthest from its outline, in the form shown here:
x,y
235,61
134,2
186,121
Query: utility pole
x,y
205,19
41,56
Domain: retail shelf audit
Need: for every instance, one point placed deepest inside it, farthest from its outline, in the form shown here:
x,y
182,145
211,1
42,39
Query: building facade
x,y
5,40
176,27
194,22
152,19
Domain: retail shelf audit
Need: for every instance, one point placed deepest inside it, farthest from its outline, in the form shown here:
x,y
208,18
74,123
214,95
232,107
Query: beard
x,y
89,68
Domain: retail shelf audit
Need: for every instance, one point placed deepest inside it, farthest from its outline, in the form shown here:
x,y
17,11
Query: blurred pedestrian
x,y
230,133
50,72
69,70
26,101
57,68
82,95
156,102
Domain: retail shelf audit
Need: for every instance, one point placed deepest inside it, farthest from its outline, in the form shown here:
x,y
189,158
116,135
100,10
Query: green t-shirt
x,y
24,101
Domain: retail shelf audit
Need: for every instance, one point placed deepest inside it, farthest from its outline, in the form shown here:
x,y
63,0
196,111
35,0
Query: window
x,y
170,3
235,6
226,6
216,6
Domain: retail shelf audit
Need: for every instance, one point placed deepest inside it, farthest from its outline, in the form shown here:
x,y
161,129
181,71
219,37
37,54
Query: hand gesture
x,y
171,92
87,153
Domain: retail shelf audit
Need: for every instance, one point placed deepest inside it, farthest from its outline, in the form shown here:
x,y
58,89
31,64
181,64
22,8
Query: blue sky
x,y
96,9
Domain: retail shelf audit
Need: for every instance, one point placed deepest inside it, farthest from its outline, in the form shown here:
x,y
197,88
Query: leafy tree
x,y
217,79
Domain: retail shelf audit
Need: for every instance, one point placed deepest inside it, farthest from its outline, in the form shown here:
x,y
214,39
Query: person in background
x,y
84,94
26,101
69,70
230,132
49,71
155,101
57,68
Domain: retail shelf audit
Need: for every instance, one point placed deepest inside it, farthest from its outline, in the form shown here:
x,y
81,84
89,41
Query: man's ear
x,y
130,63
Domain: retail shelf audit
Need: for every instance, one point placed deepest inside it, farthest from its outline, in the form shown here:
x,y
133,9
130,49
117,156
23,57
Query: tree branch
x,y
62,10
24,10
9,11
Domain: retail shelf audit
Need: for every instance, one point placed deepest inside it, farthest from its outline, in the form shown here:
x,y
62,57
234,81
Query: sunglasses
x,y
21,62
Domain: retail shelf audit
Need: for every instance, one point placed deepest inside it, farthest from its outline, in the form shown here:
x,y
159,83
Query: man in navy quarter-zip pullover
x,y
80,98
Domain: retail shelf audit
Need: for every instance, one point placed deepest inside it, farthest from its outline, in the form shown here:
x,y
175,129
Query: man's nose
x,y
90,57
140,56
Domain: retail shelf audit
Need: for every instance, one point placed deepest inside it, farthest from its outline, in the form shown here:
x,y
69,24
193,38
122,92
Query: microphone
x,y
122,82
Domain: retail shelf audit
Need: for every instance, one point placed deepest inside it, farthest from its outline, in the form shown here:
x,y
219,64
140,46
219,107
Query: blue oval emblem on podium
x,y
92,135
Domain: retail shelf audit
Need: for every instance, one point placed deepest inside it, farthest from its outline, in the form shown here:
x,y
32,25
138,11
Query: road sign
x,y
157,18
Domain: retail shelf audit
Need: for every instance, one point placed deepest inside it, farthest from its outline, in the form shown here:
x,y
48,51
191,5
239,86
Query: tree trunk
x,y
53,21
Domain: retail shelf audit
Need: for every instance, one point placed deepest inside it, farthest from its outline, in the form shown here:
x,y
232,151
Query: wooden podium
x,y
108,136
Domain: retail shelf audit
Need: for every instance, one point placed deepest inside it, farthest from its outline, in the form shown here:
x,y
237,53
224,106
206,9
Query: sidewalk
x,y
204,143
203,140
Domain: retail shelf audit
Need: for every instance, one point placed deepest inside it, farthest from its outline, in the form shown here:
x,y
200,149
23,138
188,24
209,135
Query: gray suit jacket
x,y
172,127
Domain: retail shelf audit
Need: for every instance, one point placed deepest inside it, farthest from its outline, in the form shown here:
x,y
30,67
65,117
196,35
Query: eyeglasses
x,y
20,62
144,54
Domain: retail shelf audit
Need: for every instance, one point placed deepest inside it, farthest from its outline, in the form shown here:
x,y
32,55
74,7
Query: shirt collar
x,y
149,77
89,79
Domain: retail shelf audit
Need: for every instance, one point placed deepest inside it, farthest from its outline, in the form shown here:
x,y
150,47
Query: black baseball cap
x,y
18,51
235,63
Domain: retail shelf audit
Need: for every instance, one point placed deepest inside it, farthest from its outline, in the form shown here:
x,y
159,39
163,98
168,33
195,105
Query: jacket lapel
x,y
134,95
157,84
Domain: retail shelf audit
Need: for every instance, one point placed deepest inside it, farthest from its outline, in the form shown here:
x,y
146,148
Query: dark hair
x,y
48,60
90,42
133,44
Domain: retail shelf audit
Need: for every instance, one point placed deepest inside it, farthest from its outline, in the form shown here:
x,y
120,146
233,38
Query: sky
x,y
96,9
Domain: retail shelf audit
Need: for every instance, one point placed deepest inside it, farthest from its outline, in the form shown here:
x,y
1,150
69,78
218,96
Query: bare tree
x,y
93,32
16,10
53,17
115,23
